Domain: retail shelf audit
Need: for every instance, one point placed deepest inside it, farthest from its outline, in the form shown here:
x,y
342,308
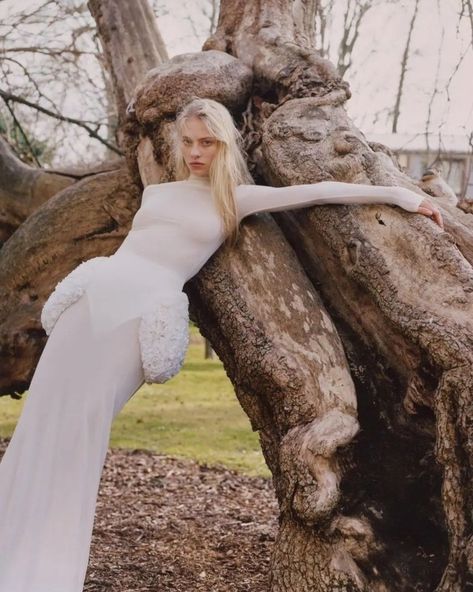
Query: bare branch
x,y
352,20
48,52
405,59
23,133
10,97
467,10
436,90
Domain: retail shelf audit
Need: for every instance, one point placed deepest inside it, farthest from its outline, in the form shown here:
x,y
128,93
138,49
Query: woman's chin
x,y
199,171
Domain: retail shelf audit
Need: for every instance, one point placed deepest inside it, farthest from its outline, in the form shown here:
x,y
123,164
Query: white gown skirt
x,y
51,470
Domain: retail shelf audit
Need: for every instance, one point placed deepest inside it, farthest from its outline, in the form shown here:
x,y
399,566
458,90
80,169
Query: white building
x,y
418,152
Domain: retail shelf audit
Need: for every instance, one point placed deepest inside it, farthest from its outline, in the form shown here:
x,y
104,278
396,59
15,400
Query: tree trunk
x,y
87,219
128,56
23,189
335,318
379,290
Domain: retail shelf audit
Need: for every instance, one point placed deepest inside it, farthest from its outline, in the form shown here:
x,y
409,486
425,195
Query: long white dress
x,y
92,364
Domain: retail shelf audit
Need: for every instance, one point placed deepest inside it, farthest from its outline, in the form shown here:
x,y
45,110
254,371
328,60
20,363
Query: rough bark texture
x,y
23,189
386,292
286,361
366,322
90,218
131,42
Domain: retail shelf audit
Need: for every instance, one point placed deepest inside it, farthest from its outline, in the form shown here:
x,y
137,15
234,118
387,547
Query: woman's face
x,y
198,146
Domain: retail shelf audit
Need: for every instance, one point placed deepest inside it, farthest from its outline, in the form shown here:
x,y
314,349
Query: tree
x,y
355,364
43,48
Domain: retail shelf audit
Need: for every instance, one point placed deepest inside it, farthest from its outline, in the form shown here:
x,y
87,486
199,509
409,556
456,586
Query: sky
x,y
437,46
436,49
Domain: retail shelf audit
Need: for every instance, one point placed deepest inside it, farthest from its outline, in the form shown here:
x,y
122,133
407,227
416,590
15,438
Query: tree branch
x,y
10,97
405,59
23,133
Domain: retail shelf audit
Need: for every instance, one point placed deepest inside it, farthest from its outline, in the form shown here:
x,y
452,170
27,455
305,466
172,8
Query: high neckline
x,y
196,179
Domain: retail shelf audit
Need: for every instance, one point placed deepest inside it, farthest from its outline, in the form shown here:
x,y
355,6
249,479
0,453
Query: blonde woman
x,y
117,322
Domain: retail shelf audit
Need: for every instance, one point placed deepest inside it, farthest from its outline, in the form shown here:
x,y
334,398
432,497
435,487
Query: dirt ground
x,y
164,524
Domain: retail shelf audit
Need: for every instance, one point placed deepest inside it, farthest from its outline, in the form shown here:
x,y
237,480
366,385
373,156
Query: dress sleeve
x,y
261,198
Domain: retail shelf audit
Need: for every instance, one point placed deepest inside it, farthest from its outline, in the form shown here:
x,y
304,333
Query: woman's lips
x,y
197,164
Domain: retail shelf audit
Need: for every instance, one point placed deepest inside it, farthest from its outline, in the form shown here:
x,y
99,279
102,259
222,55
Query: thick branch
x,y
311,138
23,189
130,51
88,219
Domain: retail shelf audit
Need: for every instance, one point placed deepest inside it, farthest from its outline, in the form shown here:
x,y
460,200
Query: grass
x,y
194,415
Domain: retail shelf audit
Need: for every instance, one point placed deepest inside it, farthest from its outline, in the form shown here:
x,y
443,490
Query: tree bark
x,y
86,220
333,319
23,189
89,218
129,56
379,291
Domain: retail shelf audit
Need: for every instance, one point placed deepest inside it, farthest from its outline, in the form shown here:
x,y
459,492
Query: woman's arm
x,y
260,198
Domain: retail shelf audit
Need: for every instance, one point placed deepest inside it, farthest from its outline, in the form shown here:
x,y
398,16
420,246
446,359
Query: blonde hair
x,y
228,168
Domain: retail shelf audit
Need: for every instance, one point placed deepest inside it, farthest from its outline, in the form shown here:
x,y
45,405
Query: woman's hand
x,y
427,208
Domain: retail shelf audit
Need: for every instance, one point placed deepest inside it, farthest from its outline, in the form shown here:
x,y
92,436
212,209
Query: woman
x,y
116,322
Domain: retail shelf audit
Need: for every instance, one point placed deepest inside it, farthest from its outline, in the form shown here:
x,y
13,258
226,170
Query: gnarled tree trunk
x,y
87,219
22,190
346,331
93,216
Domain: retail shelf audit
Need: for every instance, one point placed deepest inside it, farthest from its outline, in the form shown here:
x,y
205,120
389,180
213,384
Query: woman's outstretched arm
x,y
260,198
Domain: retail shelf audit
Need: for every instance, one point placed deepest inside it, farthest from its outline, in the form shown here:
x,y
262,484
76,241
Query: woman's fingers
x,y
429,209
435,215
438,218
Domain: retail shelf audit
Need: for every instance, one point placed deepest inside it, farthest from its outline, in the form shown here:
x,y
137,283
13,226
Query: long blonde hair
x,y
228,168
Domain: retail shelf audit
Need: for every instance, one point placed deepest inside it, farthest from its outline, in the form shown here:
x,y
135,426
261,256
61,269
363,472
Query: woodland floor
x,y
169,524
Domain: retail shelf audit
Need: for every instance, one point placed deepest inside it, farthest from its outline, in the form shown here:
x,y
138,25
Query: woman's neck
x,y
203,180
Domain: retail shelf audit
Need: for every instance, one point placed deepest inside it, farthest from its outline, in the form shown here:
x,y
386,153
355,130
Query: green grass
x,y
195,415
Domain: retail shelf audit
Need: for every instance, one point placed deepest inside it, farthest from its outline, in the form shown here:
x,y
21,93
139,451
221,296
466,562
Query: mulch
x,y
166,524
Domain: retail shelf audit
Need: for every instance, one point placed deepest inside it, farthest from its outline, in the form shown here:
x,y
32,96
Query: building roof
x,y
418,142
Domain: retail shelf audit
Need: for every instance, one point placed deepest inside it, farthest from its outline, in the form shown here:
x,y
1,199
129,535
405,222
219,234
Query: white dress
x,y
96,358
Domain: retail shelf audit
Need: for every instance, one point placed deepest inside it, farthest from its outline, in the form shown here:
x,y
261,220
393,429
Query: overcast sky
x,y
435,51
437,47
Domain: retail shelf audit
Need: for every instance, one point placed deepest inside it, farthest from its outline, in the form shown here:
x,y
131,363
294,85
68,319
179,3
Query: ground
x,y
165,524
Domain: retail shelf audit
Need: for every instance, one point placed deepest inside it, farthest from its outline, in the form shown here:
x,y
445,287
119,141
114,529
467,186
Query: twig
x,y
23,133
10,97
